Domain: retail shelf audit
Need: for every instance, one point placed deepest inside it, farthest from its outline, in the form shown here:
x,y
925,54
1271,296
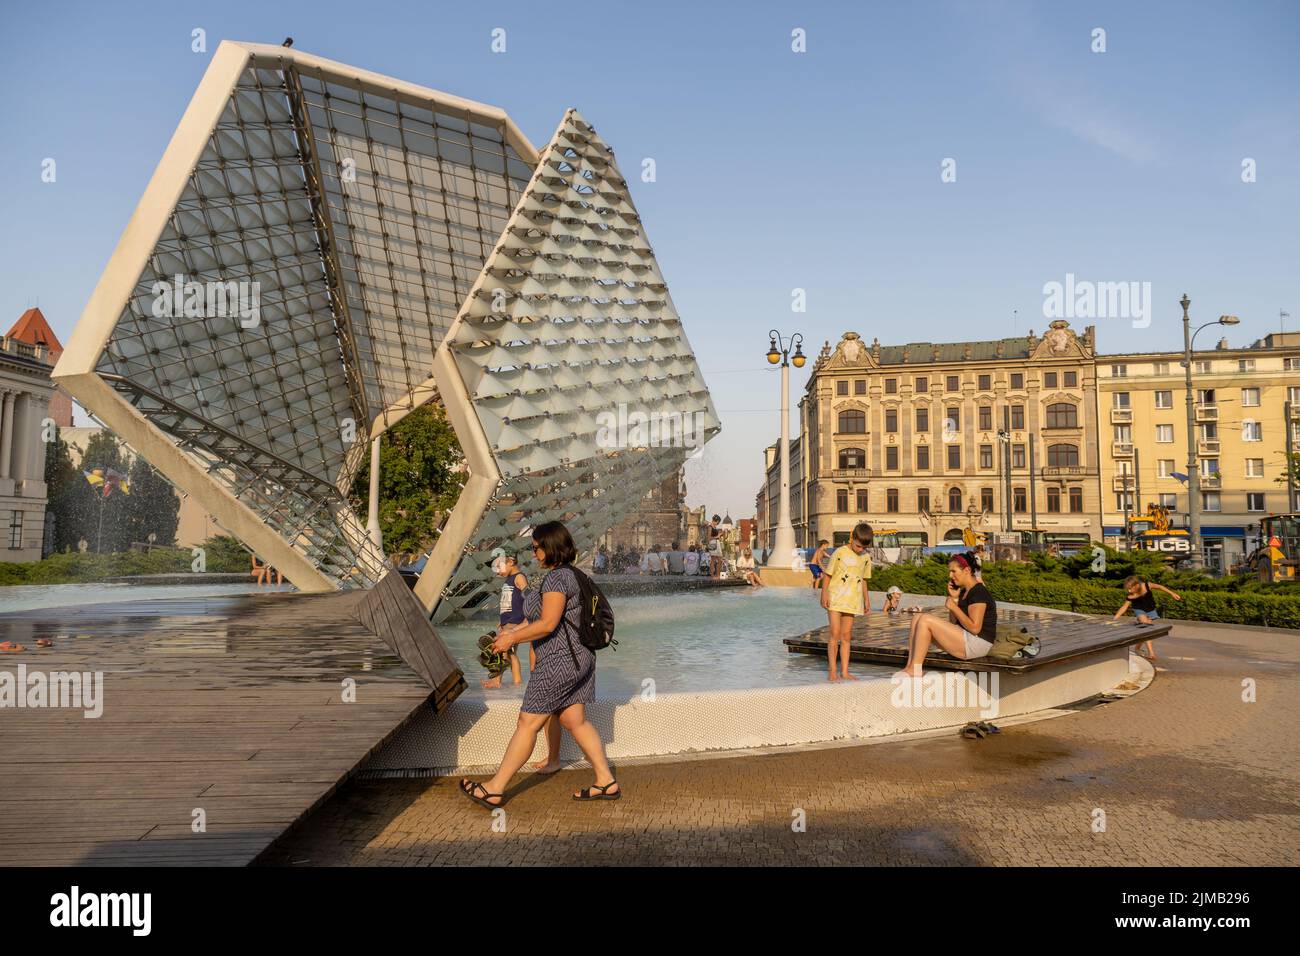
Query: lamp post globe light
x,y
778,351
1193,474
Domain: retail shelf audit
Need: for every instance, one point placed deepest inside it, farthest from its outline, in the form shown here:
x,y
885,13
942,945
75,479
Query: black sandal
x,y
588,793
480,798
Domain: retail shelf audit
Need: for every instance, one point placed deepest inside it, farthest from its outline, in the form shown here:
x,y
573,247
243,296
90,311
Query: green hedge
x,y
1226,600
224,554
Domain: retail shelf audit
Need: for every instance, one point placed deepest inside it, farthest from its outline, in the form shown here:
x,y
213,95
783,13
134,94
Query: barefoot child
x,y
512,614
844,595
1141,597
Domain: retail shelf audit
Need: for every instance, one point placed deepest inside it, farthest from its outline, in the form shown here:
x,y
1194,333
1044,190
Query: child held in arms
x,y
844,595
512,615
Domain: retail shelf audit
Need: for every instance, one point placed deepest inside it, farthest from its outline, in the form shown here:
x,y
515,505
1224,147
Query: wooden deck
x,y
230,705
881,639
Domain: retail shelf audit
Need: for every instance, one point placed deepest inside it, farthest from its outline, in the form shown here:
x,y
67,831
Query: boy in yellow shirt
x,y
844,595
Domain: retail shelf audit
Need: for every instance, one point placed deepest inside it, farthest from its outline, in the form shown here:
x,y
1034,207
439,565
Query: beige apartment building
x,y
928,439
1241,432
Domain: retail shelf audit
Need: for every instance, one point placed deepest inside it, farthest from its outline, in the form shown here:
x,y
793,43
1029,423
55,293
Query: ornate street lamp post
x,y
778,351
1193,475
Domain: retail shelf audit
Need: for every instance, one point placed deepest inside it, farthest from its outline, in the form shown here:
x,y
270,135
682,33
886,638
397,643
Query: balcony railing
x,y
1207,446
850,473
1124,483
1121,416
1121,449
1059,471
1207,413
1211,482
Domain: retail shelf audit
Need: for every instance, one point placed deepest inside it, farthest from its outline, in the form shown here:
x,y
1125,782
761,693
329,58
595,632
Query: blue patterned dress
x,y
556,682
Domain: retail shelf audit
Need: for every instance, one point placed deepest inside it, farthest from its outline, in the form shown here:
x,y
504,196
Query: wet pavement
x,y
1186,772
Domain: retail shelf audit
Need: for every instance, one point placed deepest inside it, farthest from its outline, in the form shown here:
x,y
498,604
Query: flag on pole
x,y
104,480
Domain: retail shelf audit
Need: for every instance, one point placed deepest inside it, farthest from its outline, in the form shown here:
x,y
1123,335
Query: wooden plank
x,y
233,705
881,639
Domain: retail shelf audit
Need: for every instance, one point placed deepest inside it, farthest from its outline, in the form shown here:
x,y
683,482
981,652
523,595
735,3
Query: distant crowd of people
x,y
661,559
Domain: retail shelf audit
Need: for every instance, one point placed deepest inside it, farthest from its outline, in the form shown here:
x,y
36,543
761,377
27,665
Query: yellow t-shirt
x,y
846,572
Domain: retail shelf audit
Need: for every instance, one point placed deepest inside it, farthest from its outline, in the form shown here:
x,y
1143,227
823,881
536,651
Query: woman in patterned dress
x,y
563,680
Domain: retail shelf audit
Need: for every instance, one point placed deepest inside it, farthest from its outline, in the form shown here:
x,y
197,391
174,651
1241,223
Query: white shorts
x,y
976,646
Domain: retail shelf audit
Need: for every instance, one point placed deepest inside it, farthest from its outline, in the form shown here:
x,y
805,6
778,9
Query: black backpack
x,y
596,625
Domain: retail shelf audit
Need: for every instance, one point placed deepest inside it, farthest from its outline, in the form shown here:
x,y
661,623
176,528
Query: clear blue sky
x,y
776,170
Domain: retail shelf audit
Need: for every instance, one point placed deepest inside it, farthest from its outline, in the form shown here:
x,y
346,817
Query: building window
x,y
1076,500
1017,379
1063,456
1169,499
954,457
853,421
1119,371
860,386
923,419
1017,456
986,499
16,530
923,499
954,500
1062,415
1161,368
1071,379
1164,399
923,457
1252,431
891,386
1119,399
1053,500
863,502
1254,467
1245,365
1124,433
986,456
1291,364
891,500
1254,501
1049,380
1250,398
922,384
842,388
1165,468
1210,501
986,382
1019,501
952,383
891,457
1204,368
853,458
1124,501
986,418
1018,417
1164,434
891,420
1293,396
954,419
842,500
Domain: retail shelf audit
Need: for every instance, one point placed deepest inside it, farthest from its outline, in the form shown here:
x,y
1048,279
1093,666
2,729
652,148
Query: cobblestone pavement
x,y
1185,773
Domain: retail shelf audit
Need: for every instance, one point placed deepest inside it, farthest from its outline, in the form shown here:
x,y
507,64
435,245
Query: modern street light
x,y
778,351
1193,475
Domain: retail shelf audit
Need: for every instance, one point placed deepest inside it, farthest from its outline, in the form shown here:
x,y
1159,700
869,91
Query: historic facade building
x,y
930,439
25,395
1240,405
660,518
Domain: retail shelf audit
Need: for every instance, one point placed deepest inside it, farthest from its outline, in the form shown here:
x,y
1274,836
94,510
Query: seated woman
x,y
745,568
972,624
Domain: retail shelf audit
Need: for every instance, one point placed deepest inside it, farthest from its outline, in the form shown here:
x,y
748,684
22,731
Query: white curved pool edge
x,y
472,734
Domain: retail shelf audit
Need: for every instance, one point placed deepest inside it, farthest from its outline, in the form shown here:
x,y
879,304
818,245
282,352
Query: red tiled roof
x,y
32,328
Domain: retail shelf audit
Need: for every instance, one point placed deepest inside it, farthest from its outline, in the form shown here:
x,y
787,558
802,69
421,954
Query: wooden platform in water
x,y
233,706
881,639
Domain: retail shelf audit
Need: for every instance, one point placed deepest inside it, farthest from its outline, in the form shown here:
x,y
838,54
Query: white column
x,y
372,524
21,446
783,545
36,409
6,433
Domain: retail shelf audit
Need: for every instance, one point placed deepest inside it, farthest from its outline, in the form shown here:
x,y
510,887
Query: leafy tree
x,y
63,481
421,471
151,508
